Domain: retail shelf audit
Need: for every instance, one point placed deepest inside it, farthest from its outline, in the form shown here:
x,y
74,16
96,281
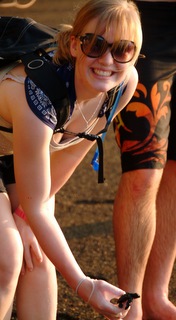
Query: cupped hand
x,y
100,294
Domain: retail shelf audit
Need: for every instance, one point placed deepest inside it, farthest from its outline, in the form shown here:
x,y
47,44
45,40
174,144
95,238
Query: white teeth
x,y
103,73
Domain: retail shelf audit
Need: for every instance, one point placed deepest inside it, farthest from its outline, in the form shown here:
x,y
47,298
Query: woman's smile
x,y
102,73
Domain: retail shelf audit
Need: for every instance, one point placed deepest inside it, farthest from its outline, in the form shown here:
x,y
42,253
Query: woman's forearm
x,y
55,246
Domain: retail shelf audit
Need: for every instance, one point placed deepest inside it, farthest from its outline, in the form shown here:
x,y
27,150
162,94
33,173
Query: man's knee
x,y
141,182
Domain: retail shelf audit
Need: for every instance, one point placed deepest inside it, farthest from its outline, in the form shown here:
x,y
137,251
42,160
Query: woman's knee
x,y
11,260
43,273
44,268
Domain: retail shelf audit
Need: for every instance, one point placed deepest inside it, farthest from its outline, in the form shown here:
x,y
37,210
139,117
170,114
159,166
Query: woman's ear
x,y
73,46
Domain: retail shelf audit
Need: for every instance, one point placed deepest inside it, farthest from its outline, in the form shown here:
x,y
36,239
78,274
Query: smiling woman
x,y
52,153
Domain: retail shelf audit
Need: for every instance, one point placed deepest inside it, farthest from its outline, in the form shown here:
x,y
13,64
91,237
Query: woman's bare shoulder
x,y
18,70
12,91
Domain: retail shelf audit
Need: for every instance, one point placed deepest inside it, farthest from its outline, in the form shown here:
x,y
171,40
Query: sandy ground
x,y
84,207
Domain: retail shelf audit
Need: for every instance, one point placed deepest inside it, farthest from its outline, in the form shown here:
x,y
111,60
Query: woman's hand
x,y
32,250
100,294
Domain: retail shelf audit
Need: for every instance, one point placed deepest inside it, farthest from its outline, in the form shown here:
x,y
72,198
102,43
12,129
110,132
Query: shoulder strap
x,y
97,160
42,73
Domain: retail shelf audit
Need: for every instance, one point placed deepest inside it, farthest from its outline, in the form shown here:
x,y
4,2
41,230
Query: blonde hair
x,y
122,14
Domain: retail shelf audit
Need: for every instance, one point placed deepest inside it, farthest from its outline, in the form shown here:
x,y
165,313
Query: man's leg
x,y
159,268
141,131
134,229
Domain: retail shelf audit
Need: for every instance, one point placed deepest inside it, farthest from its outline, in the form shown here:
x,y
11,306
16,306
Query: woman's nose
x,y
106,58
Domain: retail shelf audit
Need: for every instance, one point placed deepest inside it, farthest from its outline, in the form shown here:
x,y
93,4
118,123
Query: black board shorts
x,y
146,129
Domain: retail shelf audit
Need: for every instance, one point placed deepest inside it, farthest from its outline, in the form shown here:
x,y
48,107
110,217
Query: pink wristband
x,y
20,213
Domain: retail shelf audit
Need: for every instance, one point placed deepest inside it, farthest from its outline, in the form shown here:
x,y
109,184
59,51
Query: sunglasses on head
x,y
94,46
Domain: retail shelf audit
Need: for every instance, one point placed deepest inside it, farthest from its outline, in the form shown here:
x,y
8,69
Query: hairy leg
x,y
11,255
163,254
134,230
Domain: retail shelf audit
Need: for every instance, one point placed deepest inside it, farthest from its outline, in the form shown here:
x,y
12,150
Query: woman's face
x,y
95,75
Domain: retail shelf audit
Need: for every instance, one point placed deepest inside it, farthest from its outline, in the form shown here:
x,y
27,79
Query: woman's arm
x,y
32,171
68,160
33,179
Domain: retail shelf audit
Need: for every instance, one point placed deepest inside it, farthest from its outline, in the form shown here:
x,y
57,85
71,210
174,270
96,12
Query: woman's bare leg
x,y
11,255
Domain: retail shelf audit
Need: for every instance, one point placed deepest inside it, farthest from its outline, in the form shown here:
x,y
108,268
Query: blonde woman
x,y
95,56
